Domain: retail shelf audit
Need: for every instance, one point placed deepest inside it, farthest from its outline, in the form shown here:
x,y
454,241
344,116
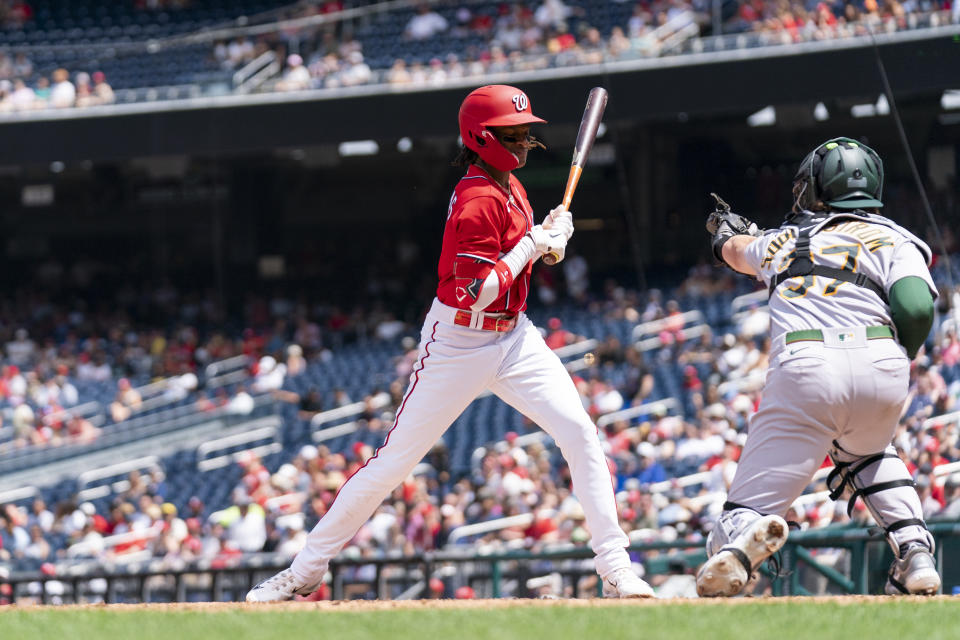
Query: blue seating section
x,y
357,369
91,24
87,25
383,40
57,22
183,65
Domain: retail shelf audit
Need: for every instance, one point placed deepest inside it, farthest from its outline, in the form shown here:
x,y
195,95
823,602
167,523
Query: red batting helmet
x,y
496,105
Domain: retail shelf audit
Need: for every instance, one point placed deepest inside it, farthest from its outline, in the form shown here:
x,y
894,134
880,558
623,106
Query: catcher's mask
x,y
841,174
496,105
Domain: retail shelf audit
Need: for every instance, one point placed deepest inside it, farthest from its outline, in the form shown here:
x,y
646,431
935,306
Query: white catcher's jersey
x,y
879,251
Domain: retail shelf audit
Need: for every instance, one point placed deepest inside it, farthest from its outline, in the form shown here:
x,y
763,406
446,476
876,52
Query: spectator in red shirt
x,y
558,336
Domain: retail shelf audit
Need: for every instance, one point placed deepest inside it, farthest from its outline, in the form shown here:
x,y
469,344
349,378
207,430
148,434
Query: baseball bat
x,y
592,114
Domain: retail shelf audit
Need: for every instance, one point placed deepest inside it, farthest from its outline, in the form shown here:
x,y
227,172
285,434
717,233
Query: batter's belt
x,y
487,321
816,335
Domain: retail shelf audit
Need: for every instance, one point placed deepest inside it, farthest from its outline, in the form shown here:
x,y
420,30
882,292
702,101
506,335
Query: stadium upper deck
x,y
180,50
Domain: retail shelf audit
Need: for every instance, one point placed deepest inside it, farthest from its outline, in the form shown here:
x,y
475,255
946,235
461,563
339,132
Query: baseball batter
x,y
851,302
476,337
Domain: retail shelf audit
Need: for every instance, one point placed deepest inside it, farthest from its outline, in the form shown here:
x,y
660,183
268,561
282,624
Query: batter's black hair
x,y
465,157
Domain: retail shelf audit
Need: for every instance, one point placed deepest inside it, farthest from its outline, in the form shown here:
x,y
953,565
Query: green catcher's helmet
x,y
842,173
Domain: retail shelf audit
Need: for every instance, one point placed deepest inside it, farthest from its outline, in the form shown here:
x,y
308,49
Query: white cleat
x,y
726,573
915,574
280,587
624,583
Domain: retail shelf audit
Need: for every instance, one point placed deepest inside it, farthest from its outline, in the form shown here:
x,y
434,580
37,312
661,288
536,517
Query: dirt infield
x,y
394,605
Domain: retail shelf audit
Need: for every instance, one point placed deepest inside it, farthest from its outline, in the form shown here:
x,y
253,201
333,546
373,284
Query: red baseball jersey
x,y
483,223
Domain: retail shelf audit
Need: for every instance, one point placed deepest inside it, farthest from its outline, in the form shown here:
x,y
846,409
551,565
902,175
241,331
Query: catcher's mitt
x,y
723,224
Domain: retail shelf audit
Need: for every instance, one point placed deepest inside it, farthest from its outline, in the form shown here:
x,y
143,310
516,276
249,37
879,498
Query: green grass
x,y
846,619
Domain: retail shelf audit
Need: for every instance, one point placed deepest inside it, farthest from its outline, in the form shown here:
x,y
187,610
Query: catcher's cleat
x,y
727,571
624,583
280,587
914,574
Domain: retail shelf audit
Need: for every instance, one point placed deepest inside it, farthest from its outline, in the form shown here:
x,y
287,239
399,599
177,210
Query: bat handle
x,y
552,257
572,181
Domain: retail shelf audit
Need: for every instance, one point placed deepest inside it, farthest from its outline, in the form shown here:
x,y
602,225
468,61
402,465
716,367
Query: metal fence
x,y
831,560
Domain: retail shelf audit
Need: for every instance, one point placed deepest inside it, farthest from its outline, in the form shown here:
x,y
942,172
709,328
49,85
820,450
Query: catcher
x,y
851,302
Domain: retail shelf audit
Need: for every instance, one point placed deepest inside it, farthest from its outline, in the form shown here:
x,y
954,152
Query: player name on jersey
x,y
872,236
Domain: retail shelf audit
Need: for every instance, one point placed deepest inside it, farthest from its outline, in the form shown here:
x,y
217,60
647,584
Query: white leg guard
x,y
883,483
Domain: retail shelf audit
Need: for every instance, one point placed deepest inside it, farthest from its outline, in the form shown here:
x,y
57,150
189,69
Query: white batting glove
x,y
548,240
559,218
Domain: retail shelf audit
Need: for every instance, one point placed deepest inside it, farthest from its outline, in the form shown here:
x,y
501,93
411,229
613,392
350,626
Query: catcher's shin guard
x,y
883,483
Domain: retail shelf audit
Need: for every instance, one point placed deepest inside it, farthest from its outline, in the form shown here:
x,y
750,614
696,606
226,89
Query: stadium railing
x,y
140,537
19,494
741,304
102,481
521,520
636,411
231,448
177,419
494,574
92,411
867,568
253,74
652,328
576,348
346,411
942,420
226,372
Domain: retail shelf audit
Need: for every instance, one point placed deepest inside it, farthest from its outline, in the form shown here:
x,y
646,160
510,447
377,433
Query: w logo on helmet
x,y
520,101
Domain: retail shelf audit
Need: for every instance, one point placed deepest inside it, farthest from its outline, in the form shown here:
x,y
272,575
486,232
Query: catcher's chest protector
x,y
802,264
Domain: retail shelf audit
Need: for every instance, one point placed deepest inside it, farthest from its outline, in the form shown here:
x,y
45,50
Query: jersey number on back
x,y
849,264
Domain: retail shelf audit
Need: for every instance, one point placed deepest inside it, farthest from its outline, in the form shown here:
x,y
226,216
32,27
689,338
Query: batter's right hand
x,y
547,240
559,218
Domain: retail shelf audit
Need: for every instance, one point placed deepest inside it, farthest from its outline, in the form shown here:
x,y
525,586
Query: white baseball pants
x,y
455,365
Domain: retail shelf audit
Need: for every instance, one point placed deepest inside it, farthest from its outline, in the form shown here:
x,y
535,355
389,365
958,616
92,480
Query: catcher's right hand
x,y
734,224
723,224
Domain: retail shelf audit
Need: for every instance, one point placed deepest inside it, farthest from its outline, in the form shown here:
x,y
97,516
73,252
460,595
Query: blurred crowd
x,y
524,37
13,13
504,37
64,351
22,89
671,463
